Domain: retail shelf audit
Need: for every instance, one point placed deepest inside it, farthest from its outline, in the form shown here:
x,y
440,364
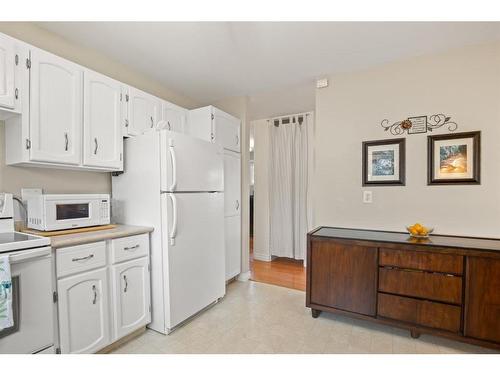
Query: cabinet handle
x,y
17,93
94,289
17,60
131,247
66,141
151,121
83,258
169,126
126,283
237,140
96,146
237,204
126,123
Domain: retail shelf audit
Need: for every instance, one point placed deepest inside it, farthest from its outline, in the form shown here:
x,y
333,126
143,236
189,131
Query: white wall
x,y
61,181
464,84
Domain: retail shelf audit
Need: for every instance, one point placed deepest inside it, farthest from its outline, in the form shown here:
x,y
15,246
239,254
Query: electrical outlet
x,y
25,193
367,196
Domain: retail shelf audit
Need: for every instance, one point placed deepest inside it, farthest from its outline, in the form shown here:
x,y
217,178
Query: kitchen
x,y
130,200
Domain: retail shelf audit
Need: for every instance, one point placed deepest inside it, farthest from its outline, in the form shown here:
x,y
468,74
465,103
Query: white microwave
x,y
65,211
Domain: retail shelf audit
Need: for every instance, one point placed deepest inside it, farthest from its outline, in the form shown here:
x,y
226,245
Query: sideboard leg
x,y
415,333
315,313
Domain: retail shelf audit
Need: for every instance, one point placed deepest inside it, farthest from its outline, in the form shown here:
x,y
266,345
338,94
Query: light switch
x,y
367,196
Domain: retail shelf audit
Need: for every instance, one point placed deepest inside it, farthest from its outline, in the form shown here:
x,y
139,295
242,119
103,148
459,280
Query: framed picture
x,y
384,162
454,158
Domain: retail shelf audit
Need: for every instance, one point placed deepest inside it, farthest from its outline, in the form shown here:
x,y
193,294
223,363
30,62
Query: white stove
x,y
10,241
31,268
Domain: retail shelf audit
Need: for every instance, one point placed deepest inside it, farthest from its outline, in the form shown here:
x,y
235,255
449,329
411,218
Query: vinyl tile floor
x,y
262,318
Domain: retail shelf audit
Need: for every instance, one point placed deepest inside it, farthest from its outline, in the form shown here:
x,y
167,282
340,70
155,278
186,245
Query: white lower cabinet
x,y
131,296
101,305
84,312
232,228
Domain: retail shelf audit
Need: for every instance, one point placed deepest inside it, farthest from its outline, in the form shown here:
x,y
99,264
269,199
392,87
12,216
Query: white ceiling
x,y
208,61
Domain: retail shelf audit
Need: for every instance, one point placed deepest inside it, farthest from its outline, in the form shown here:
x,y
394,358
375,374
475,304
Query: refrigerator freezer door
x,y
189,164
194,253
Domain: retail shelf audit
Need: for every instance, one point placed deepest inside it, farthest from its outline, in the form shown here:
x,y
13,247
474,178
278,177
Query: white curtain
x,y
288,186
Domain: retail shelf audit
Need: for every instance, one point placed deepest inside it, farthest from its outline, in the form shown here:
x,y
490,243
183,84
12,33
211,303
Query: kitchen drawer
x,y
132,247
433,286
420,312
70,260
446,263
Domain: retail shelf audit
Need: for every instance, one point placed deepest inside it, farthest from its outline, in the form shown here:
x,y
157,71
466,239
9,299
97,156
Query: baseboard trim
x,y
262,257
115,345
244,276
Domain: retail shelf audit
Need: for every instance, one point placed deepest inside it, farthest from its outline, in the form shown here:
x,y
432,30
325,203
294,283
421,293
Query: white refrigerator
x,y
175,183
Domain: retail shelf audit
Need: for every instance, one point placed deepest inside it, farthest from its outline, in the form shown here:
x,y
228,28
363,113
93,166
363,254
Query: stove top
x,y
10,241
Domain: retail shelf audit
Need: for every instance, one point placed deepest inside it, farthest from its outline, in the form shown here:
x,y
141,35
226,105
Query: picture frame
x,y
418,125
454,159
384,162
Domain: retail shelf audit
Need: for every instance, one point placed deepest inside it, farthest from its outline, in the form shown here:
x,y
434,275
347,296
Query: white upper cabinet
x,y
55,109
102,126
7,64
142,112
213,125
226,130
174,117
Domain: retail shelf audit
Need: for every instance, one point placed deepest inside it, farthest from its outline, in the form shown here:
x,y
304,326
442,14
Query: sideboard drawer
x,y
446,263
70,260
433,286
424,313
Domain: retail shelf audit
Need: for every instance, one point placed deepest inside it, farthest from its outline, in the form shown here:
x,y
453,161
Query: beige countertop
x,y
95,236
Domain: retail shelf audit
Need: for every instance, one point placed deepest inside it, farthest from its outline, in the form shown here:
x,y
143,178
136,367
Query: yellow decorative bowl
x,y
429,231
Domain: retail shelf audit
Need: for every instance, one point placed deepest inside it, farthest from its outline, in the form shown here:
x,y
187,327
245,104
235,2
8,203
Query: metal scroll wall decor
x,y
419,124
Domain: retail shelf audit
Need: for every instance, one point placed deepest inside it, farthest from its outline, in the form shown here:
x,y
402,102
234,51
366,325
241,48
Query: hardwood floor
x,y
285,272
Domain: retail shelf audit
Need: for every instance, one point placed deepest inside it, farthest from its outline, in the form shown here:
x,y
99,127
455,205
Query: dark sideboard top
x,y
435,240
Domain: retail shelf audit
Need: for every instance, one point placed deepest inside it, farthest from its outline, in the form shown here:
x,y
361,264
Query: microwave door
x,y
64,214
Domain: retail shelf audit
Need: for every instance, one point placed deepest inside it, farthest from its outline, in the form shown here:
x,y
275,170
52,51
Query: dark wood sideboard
x,y
445,285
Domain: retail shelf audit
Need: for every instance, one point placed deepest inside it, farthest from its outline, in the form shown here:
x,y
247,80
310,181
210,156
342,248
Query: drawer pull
x,y
94,289
129,248
83,258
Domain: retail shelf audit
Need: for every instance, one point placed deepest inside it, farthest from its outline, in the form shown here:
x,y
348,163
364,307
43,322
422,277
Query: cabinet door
x,y
83,312
102,132
343,276
232,183
7,64
143,110
131,296
482,299
226,130
55,109
174,116
232,227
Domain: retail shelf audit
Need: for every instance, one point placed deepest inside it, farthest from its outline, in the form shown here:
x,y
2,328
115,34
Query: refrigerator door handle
x,y
174,165
173,233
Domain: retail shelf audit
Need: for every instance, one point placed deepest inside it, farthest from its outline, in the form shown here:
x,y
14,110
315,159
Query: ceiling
x,y
208,61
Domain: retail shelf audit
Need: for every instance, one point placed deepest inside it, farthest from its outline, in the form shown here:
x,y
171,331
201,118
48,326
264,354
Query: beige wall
x,y
295,99
238,107
61,181
464,84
